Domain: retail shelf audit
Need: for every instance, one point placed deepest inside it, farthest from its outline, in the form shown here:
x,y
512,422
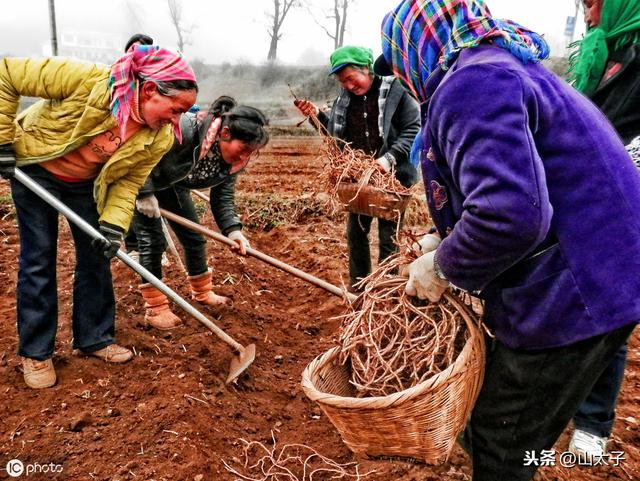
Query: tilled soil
x,y
168,415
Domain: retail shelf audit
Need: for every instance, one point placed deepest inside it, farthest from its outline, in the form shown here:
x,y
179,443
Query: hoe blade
x,y
240,362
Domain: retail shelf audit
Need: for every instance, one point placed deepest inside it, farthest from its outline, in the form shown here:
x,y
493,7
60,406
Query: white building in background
x,y
91,46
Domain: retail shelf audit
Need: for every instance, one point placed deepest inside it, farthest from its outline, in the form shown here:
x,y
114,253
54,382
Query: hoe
x,y
256,253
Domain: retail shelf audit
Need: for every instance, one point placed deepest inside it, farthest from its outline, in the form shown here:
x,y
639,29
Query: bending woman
x,y
91,143
217,146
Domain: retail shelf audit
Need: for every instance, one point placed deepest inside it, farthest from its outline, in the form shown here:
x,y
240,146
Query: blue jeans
x,y
597,412
93,315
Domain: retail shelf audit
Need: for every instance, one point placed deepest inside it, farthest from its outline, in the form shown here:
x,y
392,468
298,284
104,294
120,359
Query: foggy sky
x,y
235,30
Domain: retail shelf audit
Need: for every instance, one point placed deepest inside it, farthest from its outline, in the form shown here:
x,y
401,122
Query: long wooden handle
x,y
259,255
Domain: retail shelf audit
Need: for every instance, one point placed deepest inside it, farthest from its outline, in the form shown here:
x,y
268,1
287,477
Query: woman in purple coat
x,y
534,198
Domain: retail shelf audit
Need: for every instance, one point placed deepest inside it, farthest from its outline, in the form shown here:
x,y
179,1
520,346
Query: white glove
x,y
423,280
387,162
242,243
428,243
148,206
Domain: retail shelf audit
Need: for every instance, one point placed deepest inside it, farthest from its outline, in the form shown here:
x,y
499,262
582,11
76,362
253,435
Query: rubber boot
x,y
158,314
201,290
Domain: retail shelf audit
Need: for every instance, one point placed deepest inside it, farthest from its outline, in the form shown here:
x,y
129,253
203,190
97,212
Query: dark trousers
x,y
93,315
131,241
527,400
597,413
151,239
358,228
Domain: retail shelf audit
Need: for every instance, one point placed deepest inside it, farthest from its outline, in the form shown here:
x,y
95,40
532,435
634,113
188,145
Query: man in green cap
x,y
377,115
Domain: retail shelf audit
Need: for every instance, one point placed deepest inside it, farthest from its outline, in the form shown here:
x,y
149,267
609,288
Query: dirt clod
x,y
79,422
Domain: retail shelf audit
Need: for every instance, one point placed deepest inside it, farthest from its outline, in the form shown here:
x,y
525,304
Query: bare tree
x,y
338,14
280,10
175,12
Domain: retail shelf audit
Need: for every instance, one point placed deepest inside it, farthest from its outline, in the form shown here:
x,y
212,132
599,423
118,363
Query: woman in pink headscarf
x,y
91,142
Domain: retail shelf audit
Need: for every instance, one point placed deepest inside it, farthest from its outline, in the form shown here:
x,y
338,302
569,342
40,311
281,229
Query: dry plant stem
x,y
394,341
346,164
294,462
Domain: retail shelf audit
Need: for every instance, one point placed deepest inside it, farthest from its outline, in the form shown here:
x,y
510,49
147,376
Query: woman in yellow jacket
x,y
91,142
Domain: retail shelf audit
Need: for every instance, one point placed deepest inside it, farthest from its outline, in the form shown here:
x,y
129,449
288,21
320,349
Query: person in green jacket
x,y
91,142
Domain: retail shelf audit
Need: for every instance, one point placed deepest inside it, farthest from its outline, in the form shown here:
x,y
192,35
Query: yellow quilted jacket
x,y
75,108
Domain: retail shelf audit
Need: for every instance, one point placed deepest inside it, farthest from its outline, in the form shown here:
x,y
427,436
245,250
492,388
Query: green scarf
x,y
619,27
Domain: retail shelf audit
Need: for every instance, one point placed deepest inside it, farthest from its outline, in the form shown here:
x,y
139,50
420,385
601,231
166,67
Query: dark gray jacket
x,y
619,96
176,165
399,124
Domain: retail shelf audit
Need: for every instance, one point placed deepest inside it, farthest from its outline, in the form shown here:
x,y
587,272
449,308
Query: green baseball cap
x,y
350,55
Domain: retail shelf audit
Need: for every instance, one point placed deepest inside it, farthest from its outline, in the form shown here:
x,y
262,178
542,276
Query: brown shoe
x,y
38,374
157,311
112,353
201,290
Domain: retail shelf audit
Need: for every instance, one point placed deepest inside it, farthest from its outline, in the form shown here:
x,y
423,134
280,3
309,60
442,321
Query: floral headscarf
x,y
147,62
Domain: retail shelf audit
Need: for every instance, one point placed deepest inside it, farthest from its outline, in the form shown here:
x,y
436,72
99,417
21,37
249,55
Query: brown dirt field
x,y
168,415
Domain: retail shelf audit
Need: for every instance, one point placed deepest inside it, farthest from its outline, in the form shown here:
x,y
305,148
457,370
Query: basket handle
x,y
366,177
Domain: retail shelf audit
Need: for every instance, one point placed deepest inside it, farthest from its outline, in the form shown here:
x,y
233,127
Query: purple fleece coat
x,y
536,199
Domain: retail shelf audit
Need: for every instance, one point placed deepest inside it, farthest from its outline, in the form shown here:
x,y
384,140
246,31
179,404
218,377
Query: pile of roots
x,y
290,462
394,341
349,165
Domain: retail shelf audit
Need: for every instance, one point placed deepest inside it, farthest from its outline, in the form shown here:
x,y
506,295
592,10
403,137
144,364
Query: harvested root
x,y
345,164
416,214
394,341
348,165
291,462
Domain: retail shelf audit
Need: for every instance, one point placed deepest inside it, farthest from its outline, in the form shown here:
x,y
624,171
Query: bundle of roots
x,y
394,341
349,165
290,462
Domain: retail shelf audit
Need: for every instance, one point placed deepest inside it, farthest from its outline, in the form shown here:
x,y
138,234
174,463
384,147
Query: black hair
x,y
140,38
221,105
245,123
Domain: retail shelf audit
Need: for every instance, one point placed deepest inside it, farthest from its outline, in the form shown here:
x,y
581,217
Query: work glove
x,y
7,161
149,206
424,280
242,243
113,239
386,162
428,243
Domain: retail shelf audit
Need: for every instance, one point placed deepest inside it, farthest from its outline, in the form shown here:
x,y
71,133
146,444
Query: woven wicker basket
x,y
418,424
360,198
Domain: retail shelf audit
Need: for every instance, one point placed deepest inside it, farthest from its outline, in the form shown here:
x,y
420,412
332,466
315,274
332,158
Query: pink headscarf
x,y
148,62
